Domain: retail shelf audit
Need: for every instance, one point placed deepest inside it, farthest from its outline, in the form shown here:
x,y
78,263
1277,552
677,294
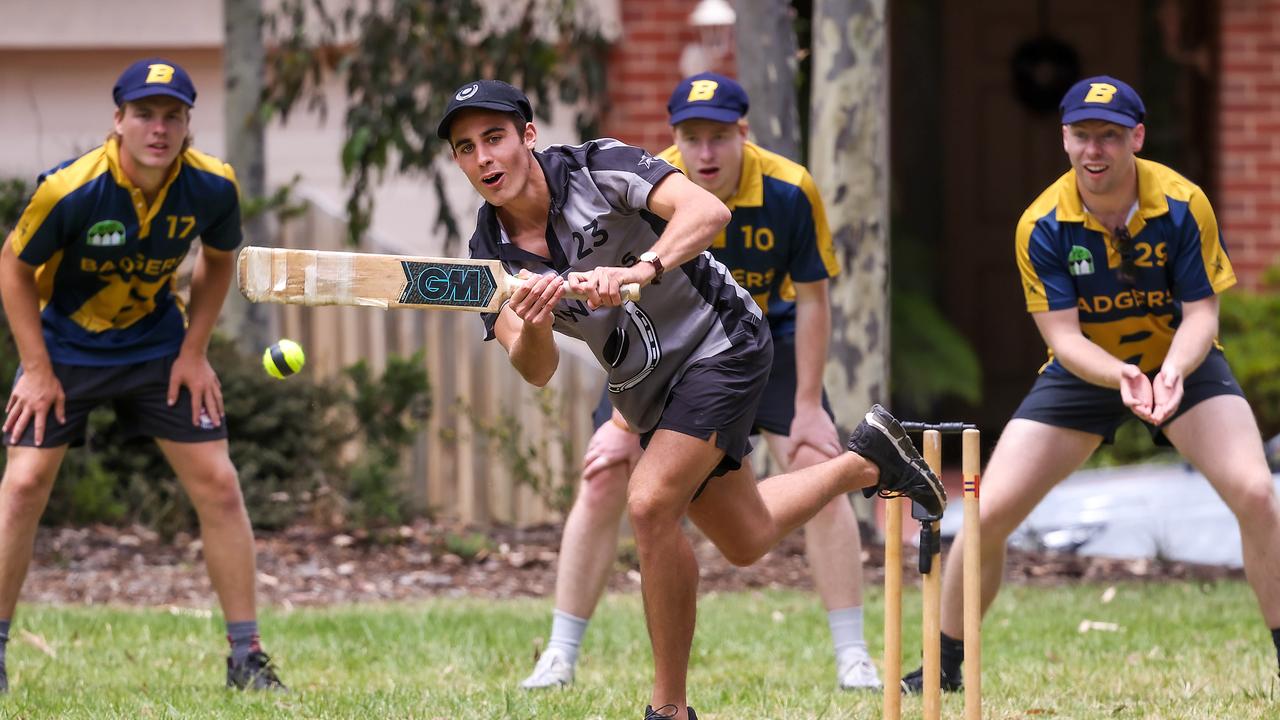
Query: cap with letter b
x,y
708,96
486,95
154,76
1102,98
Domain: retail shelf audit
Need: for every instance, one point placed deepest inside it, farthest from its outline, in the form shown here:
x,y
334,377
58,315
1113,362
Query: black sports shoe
x,y
913,682
4,679
661,713
880,439
255,672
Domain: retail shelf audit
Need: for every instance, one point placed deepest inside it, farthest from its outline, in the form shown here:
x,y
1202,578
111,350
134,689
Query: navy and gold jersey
x,y
106,259
1067,259
778,233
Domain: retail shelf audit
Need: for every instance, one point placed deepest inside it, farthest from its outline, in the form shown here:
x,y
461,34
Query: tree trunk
x,y
254,326
849,160
767,71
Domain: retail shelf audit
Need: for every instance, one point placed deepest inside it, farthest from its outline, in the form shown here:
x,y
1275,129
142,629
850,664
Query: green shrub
x,y
388,412
531,461
468,545
1250,332
14,195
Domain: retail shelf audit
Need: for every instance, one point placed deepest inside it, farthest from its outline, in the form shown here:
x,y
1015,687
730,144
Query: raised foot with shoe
x,y
903,473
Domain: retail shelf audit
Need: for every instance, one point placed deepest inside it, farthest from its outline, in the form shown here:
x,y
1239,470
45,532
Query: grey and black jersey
x,y
599,217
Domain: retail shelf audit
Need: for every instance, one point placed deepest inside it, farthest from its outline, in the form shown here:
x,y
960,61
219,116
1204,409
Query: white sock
x,y
566,634
846,630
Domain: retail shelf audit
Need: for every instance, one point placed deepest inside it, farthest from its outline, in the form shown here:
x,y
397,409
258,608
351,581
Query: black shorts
x,y
717,395
138,393
1066,401
777,406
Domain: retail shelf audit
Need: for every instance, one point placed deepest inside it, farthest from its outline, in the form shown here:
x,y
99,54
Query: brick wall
x,y
644,67
1248,197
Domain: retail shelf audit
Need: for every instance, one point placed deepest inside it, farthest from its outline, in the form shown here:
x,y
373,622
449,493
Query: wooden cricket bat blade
x,y
326,277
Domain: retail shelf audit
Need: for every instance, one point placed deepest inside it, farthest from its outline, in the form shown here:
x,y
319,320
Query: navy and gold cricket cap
x,y
1102,98
708,96
154,76
487,95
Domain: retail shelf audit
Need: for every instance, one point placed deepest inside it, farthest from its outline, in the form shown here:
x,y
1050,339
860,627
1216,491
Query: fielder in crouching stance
x,y
1122,264
687,364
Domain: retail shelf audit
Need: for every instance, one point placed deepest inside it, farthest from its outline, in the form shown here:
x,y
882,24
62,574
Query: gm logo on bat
x,y
447,284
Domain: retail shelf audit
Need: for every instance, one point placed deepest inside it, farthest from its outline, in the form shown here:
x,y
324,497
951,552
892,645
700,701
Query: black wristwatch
x,y
652,258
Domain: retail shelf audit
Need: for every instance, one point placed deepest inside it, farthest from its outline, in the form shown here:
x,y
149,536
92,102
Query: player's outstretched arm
x,y
524,329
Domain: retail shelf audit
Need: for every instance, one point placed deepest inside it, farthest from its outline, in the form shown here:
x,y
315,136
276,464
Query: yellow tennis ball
x,y
283,359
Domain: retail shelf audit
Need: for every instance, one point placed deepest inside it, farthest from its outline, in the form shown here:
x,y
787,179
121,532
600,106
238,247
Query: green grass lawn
x,y
757,655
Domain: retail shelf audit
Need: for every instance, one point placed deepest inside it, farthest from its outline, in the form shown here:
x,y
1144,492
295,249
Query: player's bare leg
x,y
664,481
24,492
1221,439
588,549
206,473
29,474
745,519
1029,460
832,545
833,548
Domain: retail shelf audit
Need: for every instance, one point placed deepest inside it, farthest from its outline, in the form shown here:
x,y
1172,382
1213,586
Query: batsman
x,y
687,364
778,247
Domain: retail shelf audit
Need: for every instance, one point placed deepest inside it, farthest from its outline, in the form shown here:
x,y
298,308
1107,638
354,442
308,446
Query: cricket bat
x,y
321,277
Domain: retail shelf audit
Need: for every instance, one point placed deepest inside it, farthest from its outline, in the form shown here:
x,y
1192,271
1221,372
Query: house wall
x,y
645,65
1248,136
60,58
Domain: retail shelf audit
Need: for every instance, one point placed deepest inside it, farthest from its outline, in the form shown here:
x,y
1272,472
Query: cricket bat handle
x,y
630,291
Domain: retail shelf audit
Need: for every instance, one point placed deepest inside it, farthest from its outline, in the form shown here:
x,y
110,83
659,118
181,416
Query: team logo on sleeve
x,y
1080,261
107,233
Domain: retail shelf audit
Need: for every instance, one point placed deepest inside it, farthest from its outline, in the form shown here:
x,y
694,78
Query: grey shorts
x,y
720,395
138,394
777,406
